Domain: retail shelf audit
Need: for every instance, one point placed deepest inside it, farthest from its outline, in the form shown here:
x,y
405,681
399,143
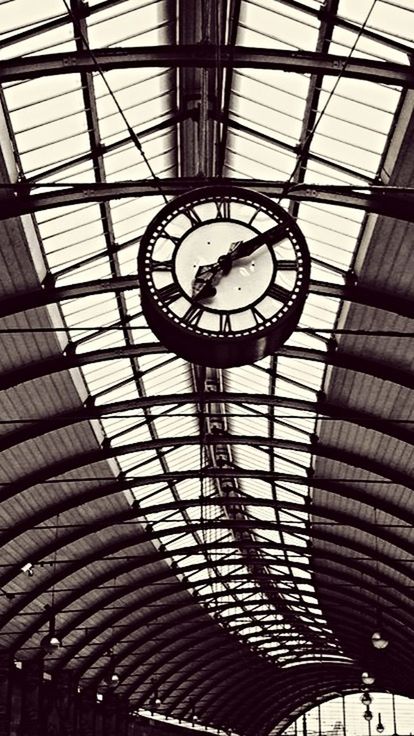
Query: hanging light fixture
x,y
111,677
378,640
155,698
368,714
367,679
380,725
51,642
366,698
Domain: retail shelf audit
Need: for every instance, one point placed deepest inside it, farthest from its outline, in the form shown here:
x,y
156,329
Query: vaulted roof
x,y
233,536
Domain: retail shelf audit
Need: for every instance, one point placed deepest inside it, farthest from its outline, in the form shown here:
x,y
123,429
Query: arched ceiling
x,y
232,536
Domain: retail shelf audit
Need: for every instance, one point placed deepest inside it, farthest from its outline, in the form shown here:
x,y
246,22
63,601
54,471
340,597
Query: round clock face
x,y
223,274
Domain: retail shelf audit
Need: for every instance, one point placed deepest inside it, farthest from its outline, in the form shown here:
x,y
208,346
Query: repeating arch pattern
x,y
220,536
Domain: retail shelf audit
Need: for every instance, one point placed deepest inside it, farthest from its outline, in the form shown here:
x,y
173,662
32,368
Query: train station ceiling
x,y
226,539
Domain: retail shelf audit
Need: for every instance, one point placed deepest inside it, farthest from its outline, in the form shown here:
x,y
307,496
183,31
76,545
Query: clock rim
x,y
216,349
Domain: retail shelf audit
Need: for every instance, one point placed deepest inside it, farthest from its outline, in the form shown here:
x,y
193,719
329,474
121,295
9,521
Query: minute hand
x,y
247,247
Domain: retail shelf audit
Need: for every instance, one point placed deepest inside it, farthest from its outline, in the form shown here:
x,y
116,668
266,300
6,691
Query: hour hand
x,y
203,282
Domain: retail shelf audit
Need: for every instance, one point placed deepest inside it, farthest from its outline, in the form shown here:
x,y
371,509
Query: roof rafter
x,y
390,201
194,55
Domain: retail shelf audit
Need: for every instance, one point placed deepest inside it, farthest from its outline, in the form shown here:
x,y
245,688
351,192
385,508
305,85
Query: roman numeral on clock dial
x,y
223,209
257,315
279,293
287,265
161,265
192,215
193,315
170,293
173,238
225,324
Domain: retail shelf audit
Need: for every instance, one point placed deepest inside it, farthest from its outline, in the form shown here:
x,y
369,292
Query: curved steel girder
x,y
332,515
263,680
216,652
167,592
210,671
358,644
112,620
62,467
357,293
323,407
36,626
395,202
337,358
93,494
175,655
132,626
114,547
103,523
206,56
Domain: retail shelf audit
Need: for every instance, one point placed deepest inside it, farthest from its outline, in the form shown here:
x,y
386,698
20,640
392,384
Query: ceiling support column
x,y
200,88
32,681
6,680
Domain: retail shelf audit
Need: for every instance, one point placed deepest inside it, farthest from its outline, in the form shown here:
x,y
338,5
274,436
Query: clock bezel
x,y
214,348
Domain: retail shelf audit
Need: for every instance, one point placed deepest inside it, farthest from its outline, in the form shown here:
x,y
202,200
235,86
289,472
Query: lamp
x,y
378,640
51,642
380,725
367,679
111,677
366,698
155,698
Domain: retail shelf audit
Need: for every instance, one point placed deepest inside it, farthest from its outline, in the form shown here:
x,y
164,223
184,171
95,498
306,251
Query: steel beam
x,y
353,459
334,487
396,202
207,56
52,294
323,407
167,592
339,358
132,562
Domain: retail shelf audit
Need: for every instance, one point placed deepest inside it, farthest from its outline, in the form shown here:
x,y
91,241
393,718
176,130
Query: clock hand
x,y
245,248
203,282
207,276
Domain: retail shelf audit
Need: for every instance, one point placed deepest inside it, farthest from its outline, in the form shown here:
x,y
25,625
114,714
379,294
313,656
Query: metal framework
x,y
224,533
